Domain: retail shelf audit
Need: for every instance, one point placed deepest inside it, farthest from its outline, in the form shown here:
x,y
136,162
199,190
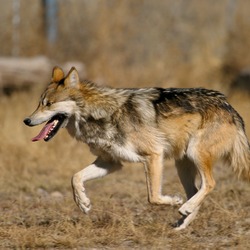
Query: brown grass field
x,y
37,209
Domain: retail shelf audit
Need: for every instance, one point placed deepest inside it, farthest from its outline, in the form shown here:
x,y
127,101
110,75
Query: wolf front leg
x,y
153,171
99,168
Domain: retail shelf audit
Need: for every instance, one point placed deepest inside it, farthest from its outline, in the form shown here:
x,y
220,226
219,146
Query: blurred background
x,y
125,43
173,43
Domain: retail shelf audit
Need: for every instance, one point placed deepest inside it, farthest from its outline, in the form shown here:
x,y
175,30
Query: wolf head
x,y
57,104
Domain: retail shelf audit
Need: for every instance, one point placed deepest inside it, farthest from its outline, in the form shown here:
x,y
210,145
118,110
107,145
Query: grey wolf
x,y
197,127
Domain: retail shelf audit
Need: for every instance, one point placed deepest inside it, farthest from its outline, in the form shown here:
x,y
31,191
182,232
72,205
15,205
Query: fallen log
x,y
17,74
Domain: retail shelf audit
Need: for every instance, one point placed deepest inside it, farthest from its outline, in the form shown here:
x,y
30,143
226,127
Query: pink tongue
x,y
45,130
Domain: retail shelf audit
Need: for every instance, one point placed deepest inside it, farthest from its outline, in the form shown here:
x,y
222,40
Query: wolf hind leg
x,y
153,171
187,172
99,168
204,167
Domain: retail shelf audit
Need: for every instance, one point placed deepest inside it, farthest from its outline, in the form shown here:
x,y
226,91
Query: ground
x,y
37,208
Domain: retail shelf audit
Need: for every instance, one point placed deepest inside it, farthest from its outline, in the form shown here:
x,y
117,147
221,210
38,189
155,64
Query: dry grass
x,y
37,209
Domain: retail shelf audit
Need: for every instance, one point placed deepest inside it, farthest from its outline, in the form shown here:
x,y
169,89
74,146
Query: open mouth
x,y
50,128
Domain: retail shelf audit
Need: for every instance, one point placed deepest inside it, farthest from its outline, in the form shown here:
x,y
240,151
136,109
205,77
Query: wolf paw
x,y
84,207
179,225
186,209
82,201
176,200
167,200
185,220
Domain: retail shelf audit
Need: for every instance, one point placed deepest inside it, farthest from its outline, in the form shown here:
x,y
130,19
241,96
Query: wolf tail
x,y
240,155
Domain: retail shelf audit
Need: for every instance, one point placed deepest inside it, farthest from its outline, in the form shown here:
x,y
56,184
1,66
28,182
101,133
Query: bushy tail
x,y
240,155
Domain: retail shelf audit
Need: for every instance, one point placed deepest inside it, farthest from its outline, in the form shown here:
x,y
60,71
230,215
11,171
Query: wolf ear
x,y
57,74
72,79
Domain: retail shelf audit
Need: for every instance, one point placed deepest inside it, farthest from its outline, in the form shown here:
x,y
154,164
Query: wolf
x,y
196,127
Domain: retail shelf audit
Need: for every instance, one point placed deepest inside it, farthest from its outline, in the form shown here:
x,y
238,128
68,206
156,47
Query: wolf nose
x,y
27,121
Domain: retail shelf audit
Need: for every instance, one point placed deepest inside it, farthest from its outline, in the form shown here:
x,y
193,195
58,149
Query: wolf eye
x,y
46,103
